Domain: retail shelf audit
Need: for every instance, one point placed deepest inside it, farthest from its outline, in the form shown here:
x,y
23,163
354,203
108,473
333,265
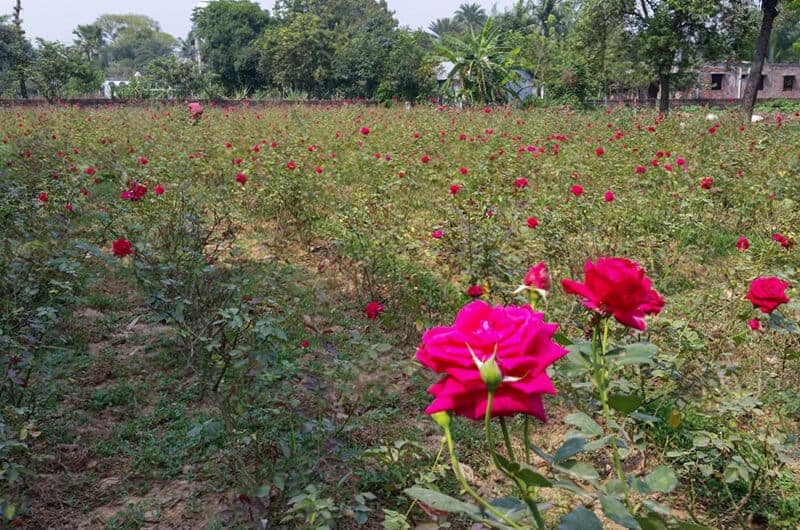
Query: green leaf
x,y
614,487
512,508
662,479
651,523
570,448
440,501
532,478
656,508
580,470
638,353
617,512
524,472
584,423
580,519
625,404
778,322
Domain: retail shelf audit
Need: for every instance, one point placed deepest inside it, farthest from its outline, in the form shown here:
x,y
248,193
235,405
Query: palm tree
x,y
90,40
472,16
483,66
444,26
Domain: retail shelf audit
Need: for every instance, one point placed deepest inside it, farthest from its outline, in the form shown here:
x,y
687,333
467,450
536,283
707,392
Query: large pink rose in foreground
x,y
767,293
617,287
523,348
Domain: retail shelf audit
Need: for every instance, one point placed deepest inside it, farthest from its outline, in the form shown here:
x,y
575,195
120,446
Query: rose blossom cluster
x,y
504,351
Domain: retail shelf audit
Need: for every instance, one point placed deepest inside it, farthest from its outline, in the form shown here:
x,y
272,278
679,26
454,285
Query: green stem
x,y
507,439
464,484
433,468
523,488
601,380
526,434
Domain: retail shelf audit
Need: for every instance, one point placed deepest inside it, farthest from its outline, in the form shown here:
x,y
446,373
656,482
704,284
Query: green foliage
x,y
227,30
483,65
58,70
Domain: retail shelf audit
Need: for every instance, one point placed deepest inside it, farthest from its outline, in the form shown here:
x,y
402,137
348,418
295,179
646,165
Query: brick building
x,y
727,82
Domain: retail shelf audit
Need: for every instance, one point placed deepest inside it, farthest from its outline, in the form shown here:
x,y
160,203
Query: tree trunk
x,y
23,88
663,103
769,8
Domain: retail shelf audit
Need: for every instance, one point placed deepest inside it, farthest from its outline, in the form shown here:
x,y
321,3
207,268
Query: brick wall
x,y
723,83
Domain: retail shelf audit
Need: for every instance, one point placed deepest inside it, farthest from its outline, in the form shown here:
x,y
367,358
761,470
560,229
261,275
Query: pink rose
x,y
538,277
516,338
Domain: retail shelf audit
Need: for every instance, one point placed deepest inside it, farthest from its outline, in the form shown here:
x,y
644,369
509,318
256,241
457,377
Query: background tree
x,y
445,26
296,57
410,76
669,36
20,47
90,40
470,16
228,30
483,65
769,10
58,70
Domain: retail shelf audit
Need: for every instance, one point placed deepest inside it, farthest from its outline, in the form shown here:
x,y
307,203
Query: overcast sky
x,y
55,19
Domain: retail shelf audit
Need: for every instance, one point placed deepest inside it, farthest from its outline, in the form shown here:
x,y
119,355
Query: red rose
x,y
538,277
290,164
742,243
754,324
576,190
425,159
521,182
304,344
158,190
373,309
121,247
143,161
532,222
475,291
365,130
706,183
640,169
437,234
599,151
454,189
617,287
43,197
515,339
463,170
609,196
782,240
241,178
767,293
134,192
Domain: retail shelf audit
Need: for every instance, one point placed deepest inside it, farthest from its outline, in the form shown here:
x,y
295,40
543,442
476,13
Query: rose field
x,y
350,316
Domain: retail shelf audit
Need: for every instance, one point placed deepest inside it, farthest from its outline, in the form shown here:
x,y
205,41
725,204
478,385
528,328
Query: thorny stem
x,y
523,488
464,484
507,439
601,381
